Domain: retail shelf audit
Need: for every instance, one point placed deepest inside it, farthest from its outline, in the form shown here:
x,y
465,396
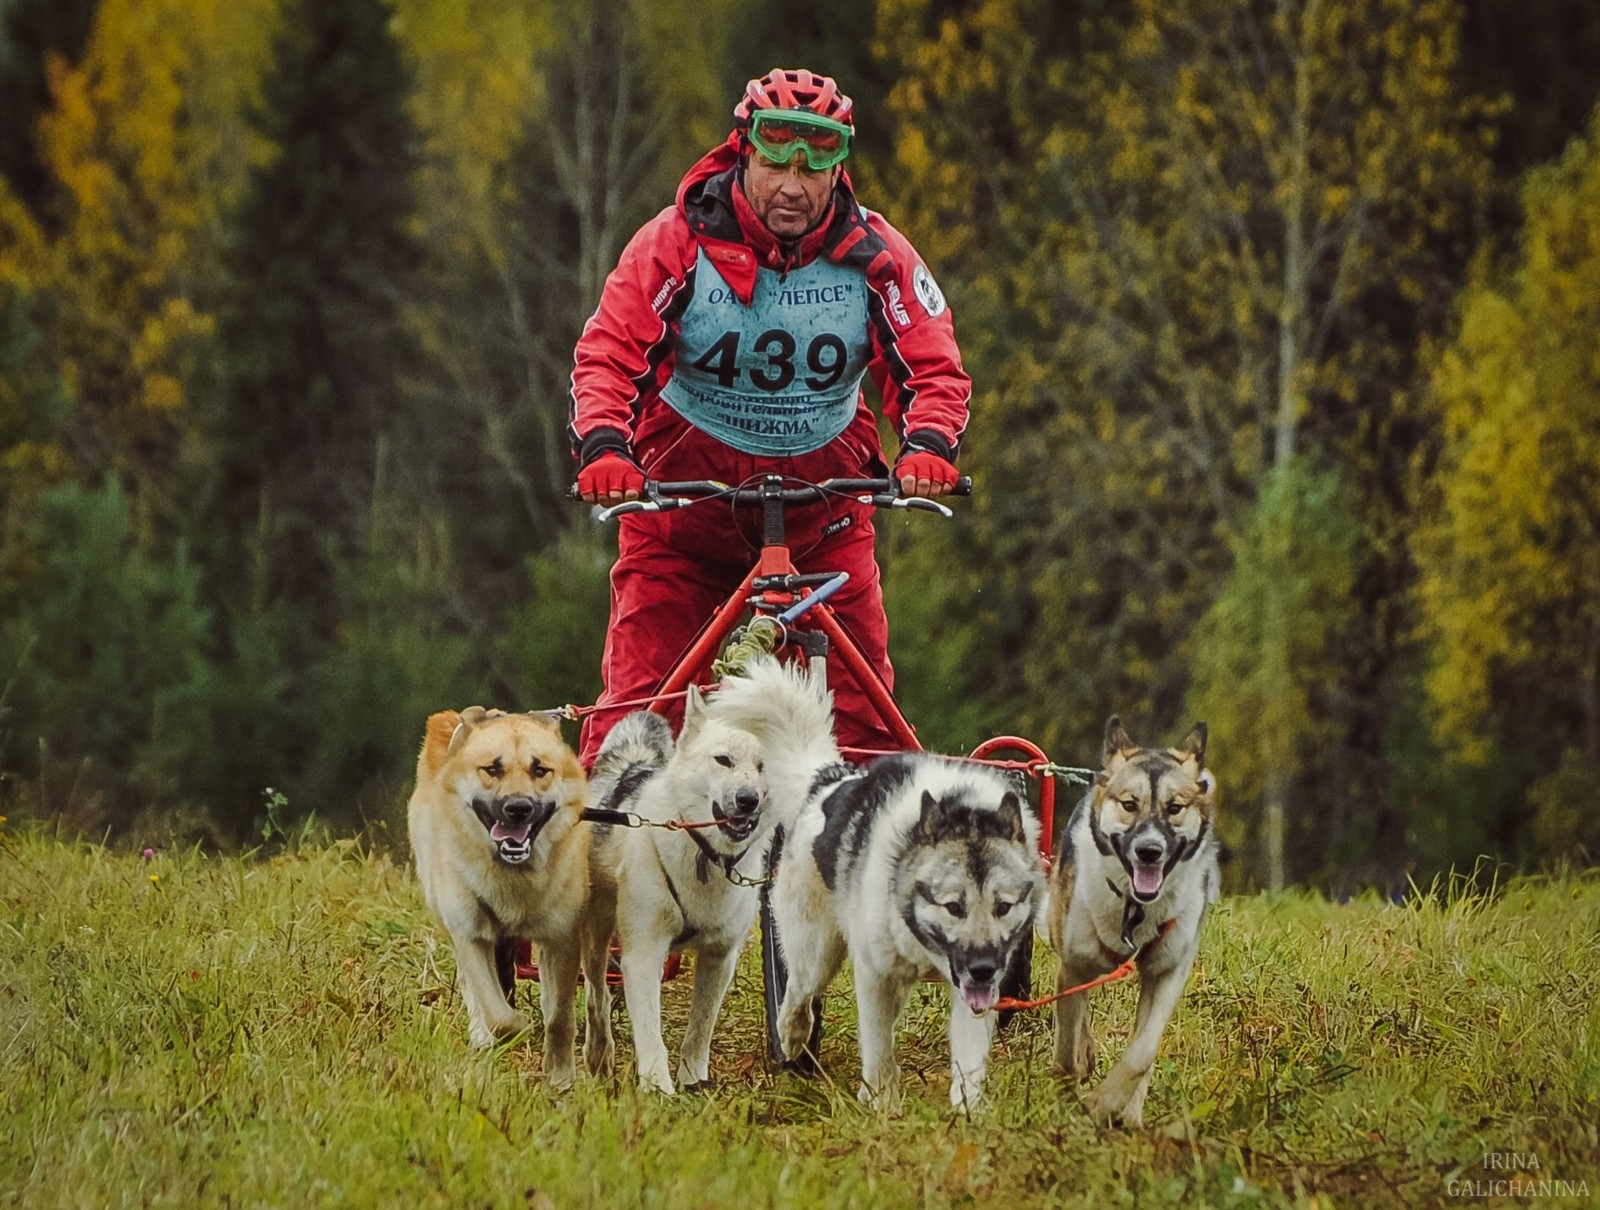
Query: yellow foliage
x,y
146,141
1510,580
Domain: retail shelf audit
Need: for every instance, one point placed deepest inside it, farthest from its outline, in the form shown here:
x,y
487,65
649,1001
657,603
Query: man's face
x,y
788,198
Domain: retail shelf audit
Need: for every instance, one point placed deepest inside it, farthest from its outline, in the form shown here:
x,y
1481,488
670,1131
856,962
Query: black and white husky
x,y
913,863
677,890
1139,851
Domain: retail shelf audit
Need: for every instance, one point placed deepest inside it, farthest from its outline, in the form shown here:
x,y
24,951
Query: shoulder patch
x,y
927,291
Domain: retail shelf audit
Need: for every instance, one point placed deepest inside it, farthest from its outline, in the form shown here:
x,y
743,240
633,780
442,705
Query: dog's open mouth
x,y
1147,879
735,827
514,844
979,997
513,840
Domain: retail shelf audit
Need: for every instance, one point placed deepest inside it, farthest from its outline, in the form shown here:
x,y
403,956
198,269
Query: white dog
x,y
914,863
675,890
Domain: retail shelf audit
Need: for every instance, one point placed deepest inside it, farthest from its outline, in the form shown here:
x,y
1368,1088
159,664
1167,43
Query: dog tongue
x,y
1146,878
980,998
515,835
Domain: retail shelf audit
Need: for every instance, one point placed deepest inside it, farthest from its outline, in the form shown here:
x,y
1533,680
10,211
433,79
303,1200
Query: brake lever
x,y
923,504
663,505
920,503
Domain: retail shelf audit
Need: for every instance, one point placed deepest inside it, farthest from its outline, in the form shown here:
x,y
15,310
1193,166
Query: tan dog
x,y
502,852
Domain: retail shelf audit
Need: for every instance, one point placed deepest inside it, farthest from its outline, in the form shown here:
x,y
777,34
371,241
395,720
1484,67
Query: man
x,y
730,342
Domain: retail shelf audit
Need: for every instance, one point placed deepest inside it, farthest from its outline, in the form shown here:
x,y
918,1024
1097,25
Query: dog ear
x,y
1009,816
436,738
547,719
1117,741
1193,746
932,823
694,711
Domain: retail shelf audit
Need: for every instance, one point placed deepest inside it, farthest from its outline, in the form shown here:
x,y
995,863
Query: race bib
x,y
781,376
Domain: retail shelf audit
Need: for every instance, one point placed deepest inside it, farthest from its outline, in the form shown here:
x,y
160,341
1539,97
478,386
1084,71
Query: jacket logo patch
x,y
896,307
833,527
663,294
927,291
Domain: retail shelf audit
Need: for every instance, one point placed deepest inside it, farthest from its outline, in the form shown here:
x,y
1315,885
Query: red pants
x,y
673,572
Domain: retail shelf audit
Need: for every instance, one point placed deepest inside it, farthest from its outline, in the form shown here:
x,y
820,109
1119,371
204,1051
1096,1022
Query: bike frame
x,y
771,587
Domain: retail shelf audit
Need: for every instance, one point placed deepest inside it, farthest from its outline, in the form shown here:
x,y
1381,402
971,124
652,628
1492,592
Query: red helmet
x,y
799,89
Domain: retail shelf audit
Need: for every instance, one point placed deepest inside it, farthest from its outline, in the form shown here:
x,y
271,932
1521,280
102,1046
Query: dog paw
x,y
884,1099
501,1029
601,1061
660,1082
967,1098
1112,1105
561,1079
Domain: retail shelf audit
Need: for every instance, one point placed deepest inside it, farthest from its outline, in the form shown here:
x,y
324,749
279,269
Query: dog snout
x,y
1150,851
982,971
747,801
517,809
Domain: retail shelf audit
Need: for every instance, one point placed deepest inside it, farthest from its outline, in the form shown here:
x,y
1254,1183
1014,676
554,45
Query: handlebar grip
x,y
963,486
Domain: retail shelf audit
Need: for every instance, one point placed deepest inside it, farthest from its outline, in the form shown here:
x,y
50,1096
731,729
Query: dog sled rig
x,y
779,610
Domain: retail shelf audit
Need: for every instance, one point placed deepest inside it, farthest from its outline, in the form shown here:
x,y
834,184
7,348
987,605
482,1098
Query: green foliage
x,y
304,279
938,655
1566,826
312,351
1182,242
549,653
100,632
1361,1055
1269,650
34,404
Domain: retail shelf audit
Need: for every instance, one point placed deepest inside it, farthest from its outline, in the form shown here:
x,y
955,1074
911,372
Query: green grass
x,y
235,1031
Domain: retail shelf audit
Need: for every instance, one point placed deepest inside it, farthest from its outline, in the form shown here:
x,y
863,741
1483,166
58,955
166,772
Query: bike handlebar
x,y
880,493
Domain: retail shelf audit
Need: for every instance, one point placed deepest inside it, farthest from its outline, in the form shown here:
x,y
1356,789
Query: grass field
x,y
190,1030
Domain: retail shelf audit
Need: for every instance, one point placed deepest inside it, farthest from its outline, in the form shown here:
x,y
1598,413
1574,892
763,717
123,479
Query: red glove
x,y
922,473
610,479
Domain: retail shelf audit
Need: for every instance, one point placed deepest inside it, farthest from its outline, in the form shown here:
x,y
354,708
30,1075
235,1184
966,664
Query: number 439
x,y
825,358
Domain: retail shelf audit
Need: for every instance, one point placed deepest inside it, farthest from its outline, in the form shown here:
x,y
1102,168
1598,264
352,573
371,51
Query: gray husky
x,y
913,863
1140,850
677,890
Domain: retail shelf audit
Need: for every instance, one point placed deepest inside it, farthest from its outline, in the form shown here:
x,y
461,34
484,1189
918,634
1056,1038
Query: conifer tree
x,y
313,346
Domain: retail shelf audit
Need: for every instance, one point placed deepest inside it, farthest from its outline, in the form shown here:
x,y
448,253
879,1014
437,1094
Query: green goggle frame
x,y
781,134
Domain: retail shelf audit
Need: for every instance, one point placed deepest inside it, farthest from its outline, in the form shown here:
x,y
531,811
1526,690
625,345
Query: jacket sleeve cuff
x,y
928,441
603,441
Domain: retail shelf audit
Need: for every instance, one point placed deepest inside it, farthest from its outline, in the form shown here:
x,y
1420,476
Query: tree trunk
x,y
1273,811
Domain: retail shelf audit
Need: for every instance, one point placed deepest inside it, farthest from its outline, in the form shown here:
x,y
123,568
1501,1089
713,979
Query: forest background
x,y
1281,318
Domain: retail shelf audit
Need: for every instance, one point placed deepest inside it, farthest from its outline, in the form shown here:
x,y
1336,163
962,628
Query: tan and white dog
x,y
502,852
1139,851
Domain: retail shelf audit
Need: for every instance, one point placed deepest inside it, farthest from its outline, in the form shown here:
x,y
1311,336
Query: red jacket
x,y
625,354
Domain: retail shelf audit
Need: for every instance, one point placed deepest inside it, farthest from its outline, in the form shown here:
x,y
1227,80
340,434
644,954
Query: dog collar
x,y
1132,912
709,857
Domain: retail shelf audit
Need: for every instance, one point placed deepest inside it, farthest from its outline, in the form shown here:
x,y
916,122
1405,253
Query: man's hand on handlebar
x,y
923,473
610,479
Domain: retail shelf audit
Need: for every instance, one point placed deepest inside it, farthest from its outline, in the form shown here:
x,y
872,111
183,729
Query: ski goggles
x,y
781,134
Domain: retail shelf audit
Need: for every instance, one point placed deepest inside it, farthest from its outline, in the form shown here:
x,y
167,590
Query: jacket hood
x,y
712,202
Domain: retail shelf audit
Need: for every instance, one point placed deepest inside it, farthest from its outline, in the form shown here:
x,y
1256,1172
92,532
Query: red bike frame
x,y
774,563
